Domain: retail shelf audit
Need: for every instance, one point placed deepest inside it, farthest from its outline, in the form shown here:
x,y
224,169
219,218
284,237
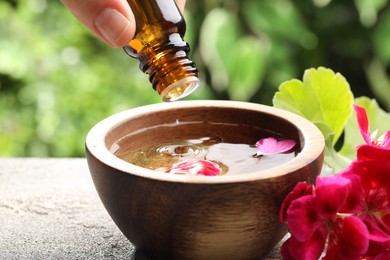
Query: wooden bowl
x,y
169,216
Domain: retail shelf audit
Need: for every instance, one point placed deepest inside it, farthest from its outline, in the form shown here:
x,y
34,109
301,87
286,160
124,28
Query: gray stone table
x,y
49,209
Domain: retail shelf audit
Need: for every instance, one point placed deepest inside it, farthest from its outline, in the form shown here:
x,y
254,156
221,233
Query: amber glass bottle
x,y
158,45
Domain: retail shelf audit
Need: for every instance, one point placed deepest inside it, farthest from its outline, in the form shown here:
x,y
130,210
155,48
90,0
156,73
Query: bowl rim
x,y
312,150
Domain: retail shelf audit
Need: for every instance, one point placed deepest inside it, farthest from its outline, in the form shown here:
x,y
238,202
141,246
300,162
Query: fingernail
x,y
112,25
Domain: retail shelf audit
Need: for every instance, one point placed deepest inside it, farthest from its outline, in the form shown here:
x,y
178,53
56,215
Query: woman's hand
x,y
111,20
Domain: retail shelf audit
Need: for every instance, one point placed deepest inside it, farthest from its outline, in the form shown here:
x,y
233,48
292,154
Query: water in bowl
x,y
232,147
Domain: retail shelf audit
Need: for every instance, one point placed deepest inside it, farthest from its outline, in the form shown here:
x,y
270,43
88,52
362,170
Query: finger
x,y
111,20
181,4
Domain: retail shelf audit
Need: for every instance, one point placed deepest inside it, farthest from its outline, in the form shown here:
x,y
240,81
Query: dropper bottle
x,y
158,45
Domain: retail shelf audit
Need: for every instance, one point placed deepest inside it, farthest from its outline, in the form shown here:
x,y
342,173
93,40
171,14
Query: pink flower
x,y
377,149
383,256
300,190
313,219
348,240
272,145
362,119
347,215
196,167
372,153
308,250
371,197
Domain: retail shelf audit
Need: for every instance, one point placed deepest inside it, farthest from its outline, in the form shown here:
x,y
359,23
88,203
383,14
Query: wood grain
x,y
199,217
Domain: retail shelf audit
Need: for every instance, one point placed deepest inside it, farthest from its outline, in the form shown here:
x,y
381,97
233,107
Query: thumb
x,y
111,20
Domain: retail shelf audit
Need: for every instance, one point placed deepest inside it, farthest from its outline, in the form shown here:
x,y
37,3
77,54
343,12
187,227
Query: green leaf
x,y
381,38
369,10
275,18
333,159
379,81
324,97
246,67
327,132
236,62
219,32
378,120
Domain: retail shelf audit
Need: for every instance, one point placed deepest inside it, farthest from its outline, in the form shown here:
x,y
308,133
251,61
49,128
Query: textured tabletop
x,y
49,209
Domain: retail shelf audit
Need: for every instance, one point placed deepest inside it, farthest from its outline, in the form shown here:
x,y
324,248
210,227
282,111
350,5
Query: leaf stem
x,y
335,160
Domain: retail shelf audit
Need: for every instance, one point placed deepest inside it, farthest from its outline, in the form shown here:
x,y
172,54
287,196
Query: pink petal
x,y
386,140
303,220
362,120
375,179
196,167
385,222
383,255
300,190
373,153
272,145
310,249
379,240
355,202
349,239
379,234
330,195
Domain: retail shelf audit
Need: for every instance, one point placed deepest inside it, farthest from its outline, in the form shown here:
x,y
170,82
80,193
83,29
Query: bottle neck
x,y
171,73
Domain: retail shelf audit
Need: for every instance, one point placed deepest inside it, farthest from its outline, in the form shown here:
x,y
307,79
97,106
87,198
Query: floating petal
x,y
273,145
196,167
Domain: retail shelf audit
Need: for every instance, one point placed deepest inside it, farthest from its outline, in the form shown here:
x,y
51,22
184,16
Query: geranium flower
x,y
371,197
377,149
273,145
196,167
371,139
348,239
372,153
300,190
314,219
347,215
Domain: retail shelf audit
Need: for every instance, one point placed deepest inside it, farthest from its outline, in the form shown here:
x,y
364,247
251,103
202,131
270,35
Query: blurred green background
x,y
57,80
